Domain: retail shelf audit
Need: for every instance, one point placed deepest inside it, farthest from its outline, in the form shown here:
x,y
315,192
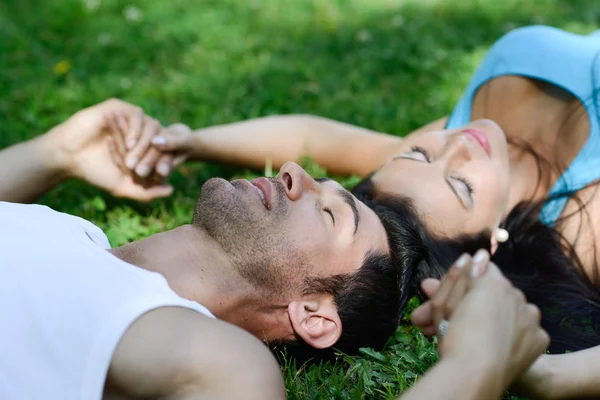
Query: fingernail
x,y
159,140
163,169
478,260
131,162
143,170
462,261
130,143
480,256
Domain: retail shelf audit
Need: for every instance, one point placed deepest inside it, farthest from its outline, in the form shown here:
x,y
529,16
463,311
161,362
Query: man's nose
x,y
296,181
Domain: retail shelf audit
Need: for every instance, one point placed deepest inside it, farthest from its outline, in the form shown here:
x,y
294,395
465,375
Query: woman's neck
x,y
539,116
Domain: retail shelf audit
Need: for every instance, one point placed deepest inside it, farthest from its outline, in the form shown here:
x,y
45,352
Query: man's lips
x,y
264,189
481,138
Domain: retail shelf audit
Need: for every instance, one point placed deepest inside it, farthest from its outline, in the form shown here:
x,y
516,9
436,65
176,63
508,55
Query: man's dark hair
x,y
369,301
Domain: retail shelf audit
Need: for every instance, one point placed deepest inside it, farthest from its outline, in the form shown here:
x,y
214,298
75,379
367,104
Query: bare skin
x,y
489,343
345,149
202,359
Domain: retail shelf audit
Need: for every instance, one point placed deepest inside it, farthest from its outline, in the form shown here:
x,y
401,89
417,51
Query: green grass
x,y
390,65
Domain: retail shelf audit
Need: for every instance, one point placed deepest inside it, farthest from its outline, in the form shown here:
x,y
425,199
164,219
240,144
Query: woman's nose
x,y
457,149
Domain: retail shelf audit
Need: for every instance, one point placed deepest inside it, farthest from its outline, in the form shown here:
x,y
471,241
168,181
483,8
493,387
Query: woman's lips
x,y
481,138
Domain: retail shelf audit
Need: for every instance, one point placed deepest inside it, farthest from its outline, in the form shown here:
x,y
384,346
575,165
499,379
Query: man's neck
x,y
195,266
198,269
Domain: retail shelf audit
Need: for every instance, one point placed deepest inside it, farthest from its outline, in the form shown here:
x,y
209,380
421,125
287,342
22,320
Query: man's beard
x,y
258,244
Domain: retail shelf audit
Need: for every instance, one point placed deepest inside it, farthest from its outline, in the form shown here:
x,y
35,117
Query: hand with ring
x,y
480,317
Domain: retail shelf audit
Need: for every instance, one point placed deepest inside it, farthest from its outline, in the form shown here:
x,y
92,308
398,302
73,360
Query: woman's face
x,y
458,179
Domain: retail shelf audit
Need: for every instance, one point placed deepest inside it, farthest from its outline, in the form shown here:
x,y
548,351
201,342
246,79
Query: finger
x,y
422,316
146,194
164,166
429,330
543,339
117,135
481,260
458,292
114,153
176,137
136,124
149,129
430,286
439,299
148,163
178,160
122,122
535,313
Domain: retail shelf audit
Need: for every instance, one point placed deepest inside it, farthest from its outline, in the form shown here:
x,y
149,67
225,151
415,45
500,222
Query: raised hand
x,y
148,149
488,319
88,145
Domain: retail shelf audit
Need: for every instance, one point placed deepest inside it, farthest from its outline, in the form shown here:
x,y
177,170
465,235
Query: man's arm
x,y
30,169
176,353
83,148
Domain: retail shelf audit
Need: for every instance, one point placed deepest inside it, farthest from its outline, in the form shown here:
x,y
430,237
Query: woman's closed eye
x,y
420,152
466,189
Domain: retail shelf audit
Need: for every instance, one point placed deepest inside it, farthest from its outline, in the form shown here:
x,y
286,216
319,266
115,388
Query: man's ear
x,y
316,321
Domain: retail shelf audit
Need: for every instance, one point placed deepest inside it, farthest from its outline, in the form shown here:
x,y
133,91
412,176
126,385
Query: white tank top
x,y
65,302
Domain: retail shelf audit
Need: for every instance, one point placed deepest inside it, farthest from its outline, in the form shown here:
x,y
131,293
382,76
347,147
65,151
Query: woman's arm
x,y
454,378
563,376
340,148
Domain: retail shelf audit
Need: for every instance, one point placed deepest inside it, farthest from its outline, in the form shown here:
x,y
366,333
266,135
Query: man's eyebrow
x,y
321,180
349,199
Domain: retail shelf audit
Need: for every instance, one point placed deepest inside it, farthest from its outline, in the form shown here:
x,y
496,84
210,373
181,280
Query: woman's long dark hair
x,y
536,259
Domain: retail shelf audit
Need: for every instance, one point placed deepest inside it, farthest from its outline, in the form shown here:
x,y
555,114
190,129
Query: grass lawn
x,y
390,65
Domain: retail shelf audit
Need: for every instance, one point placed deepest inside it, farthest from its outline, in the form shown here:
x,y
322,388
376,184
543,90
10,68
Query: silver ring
x,y
443,327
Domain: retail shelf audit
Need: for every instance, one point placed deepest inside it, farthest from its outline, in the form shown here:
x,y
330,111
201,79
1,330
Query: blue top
x,y
566,60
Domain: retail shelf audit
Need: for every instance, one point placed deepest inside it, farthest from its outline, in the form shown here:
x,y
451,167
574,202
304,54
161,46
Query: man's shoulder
x,y
169,343
45,219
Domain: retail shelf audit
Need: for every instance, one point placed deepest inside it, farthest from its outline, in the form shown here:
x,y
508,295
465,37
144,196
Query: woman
x,y
519,154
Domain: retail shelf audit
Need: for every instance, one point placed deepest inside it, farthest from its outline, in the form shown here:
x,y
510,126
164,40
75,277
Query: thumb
x,y
158,191
147,194
176,137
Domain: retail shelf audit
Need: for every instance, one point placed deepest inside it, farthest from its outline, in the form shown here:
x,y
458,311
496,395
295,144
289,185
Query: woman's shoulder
x,y
546,47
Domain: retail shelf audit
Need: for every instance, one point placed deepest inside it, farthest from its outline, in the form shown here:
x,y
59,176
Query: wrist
x,y
558,380
53,152
200,144
485,375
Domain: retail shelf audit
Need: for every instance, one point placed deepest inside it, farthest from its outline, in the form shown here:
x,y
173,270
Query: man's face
x,y
281,231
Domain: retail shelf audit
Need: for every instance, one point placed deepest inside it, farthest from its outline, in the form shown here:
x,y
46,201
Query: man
x,y
287,259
